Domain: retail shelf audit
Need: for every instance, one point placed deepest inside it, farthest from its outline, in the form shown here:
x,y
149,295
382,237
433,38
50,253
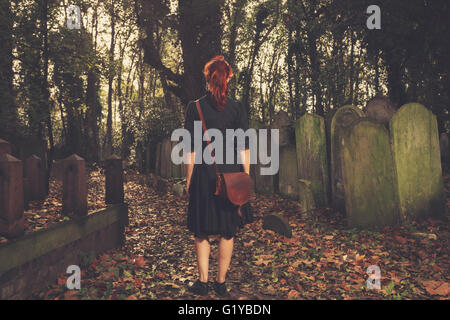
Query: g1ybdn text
x,y
247,309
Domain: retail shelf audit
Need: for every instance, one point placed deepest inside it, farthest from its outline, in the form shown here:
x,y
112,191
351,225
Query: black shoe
x,y
199,288
220,289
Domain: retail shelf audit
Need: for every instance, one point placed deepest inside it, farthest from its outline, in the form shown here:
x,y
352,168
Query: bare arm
x,y
245,155
189,163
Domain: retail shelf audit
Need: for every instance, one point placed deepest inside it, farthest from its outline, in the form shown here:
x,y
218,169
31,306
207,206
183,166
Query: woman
x,y
209,215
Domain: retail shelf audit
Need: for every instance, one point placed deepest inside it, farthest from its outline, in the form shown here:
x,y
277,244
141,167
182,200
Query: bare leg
x,y
203,248
225,253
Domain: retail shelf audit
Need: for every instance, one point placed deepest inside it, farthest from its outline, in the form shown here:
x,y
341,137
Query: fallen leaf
x,y
293,294
437,287
140,261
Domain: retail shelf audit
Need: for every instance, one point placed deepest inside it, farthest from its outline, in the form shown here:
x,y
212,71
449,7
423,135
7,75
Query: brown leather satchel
x,y
234,186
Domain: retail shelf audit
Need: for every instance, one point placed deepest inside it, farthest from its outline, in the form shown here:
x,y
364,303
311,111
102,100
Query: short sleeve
x,y
189,122
243,122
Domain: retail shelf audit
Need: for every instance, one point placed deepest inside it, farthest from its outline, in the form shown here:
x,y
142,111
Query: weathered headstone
x,y
26,194
158,159
5,147
74,186
114,180
312,160
380,109
151,180
341,119
305,196
283,123
368,175
178,189
277,223
287,173
35,175
11,196
161,186
415,144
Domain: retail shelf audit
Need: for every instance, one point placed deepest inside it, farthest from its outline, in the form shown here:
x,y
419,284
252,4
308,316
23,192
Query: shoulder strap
x,y
208,141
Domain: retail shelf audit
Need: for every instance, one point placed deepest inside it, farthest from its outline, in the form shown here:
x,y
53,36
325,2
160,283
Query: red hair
x,y
217,73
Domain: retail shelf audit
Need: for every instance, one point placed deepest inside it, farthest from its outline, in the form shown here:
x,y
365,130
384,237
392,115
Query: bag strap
x,y
208,141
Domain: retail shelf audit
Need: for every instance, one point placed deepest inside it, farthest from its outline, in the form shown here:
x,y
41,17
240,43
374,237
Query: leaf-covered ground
x,y
323,259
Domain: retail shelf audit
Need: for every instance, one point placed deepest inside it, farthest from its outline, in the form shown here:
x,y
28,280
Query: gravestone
x,y
342,118
380,109
368,175
305,196
113,180
5,147
415,144
312,161
276,223
26,194
178,189
35,175
74,186
162,186
287,173
11,196
283,123
158,159
151,180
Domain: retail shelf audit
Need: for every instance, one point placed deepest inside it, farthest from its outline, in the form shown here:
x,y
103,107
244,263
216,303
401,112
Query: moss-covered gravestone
x,y
305,196
287,173
341,119
368,175
415,145
312,161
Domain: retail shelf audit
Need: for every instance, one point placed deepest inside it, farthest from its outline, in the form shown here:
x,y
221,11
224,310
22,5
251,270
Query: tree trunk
x,y
8,113
108,138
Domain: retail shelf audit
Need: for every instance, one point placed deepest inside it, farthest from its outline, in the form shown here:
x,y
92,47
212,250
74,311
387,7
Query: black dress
x,y
207,213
